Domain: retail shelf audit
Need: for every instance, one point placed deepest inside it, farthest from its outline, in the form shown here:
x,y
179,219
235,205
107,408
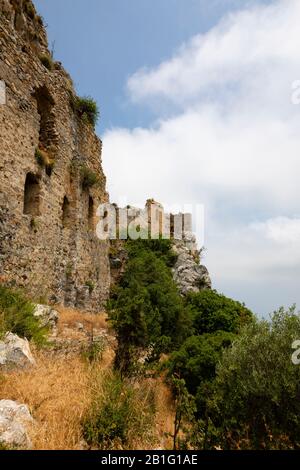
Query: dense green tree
x,y
216,322
146,309
196,359
214,312
256,403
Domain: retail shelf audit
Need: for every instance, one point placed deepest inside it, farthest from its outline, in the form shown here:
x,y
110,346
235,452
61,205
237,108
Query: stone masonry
x,y
48,243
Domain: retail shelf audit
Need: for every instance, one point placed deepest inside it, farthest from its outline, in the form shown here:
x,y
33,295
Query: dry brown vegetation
x,y
69,317
60,390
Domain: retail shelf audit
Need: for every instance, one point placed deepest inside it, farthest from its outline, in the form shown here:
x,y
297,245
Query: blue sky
x,y
102,42
196,107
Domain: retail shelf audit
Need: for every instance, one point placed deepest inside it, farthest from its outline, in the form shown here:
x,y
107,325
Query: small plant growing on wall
x,y
40,20
88,177
86,109
45,160
47,62
90,285
34,223
29,10
69,270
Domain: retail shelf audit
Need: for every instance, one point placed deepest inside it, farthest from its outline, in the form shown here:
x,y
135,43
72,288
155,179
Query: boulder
x,y
15,352
14,422
47,315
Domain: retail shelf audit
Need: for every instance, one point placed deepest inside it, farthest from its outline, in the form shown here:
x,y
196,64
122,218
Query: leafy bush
x,y
216,322
39,156
146,309
47,62
213,312
257,388
196,360
161,248
88,177
86,108
184,410
16,316
91,285
119,415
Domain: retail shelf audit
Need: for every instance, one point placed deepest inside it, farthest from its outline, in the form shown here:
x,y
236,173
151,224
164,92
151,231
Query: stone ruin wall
x,y
47,217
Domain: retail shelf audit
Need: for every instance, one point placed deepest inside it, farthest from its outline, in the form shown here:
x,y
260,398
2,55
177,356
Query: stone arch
x,y
31,195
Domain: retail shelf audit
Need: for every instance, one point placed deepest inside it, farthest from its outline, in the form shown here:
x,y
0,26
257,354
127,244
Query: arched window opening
x,y
31,195
66,213
45,105
48,137
91,214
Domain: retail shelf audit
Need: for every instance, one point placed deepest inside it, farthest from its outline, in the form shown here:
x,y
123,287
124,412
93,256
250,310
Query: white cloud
x,y
233,143
247,44
280,229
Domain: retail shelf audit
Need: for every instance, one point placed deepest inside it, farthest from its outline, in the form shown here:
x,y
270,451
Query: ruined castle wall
x,y
47,216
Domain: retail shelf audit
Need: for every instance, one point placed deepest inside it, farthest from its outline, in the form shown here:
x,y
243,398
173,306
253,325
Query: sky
x,y
200,104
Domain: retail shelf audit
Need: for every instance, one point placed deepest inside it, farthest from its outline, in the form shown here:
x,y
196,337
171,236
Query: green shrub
x,y
196,360
45,160
41,157
213,312
256,401
184,410
34,223
162,248
146,309
120,414
47,61
88,177
90,285
16,316
86,108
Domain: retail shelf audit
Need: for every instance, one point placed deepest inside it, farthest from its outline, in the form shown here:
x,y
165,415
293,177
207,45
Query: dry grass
x,y
61,388
165,414
58,392
68,317
150,411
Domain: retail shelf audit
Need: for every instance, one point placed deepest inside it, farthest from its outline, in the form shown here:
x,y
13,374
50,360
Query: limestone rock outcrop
x,y
15,353
189,275
15,420
47,316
